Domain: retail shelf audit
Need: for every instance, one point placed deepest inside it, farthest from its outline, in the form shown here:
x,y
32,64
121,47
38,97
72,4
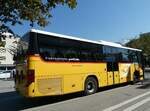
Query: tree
x,y
13,12
143,43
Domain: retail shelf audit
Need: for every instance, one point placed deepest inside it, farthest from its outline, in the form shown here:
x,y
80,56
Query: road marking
x,y
126,102
131,108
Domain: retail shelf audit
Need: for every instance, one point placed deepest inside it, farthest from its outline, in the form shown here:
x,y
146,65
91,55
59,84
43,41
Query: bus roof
x,y
83,40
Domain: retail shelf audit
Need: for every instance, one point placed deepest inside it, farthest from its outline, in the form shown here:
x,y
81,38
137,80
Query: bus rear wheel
x,y
91,86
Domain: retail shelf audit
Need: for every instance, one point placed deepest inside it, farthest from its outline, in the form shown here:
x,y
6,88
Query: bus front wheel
x,y
91,86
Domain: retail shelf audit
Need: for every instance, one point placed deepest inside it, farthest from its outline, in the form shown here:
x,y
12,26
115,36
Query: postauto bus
x,y
50,64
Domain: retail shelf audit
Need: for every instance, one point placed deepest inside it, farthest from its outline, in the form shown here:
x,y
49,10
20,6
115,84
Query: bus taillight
x,y
30,76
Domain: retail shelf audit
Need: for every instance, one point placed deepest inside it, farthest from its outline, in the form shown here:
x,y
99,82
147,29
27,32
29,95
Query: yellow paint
x,y
57,78
116,77
110,78
124,69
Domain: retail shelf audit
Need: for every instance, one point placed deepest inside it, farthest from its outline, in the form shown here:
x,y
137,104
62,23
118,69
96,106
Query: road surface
x,y
119,98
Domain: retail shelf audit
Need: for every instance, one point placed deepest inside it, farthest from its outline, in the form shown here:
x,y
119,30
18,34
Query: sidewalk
x,y
6,85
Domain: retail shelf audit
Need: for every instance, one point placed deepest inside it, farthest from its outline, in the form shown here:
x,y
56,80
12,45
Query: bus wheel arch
x,y
90,85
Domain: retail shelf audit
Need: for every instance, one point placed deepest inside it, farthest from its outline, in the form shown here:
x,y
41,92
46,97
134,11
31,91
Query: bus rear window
x,y
22,49
26,46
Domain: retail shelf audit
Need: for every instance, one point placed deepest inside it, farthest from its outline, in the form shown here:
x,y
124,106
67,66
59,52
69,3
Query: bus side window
x,y
135,59
59,53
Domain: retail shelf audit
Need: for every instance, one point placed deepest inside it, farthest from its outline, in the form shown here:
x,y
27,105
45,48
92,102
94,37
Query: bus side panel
x,y
47,79
57,78
110,78
73,83
103,75
116,77
132,70
48,85
124,71
62,78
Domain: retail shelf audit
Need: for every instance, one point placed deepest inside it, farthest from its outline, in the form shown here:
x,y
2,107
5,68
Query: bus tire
x,y
90,86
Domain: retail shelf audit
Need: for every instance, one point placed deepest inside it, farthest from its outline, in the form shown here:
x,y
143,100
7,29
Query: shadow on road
x,y
145,84
11,101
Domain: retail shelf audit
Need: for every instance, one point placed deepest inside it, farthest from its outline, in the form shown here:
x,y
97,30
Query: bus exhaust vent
x,y
50,85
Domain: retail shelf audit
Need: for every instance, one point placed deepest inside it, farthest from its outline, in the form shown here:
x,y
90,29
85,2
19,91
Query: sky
x,y
109,20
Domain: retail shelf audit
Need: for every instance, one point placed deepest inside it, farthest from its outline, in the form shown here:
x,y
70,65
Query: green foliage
x,y
2,44
36,11
143,43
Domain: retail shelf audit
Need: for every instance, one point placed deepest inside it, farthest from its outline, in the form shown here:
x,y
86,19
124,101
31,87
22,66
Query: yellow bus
x,y
49,64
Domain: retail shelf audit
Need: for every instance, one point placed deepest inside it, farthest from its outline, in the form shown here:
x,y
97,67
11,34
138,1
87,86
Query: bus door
x,y
112,73
116,72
